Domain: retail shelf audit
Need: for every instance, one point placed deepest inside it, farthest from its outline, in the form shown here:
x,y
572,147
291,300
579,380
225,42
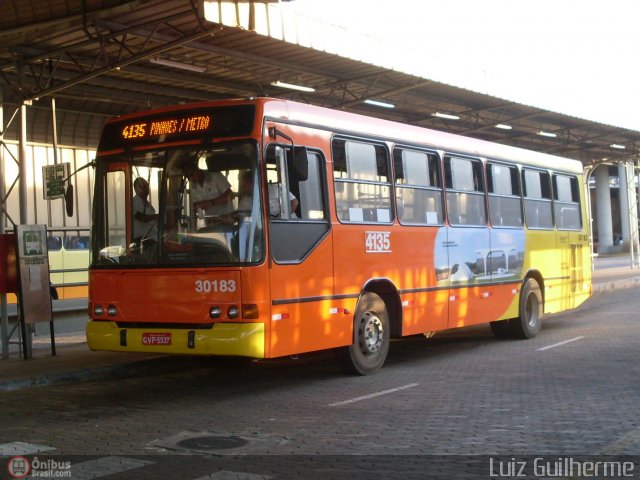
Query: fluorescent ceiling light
x,y
292,86
618,146
542,133
378,103
502,126
180,65
445,115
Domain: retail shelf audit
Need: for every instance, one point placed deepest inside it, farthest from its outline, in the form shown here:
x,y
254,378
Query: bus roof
x,y
360,125
364,126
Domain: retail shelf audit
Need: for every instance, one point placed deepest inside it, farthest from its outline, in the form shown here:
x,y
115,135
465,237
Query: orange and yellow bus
x,y
339,232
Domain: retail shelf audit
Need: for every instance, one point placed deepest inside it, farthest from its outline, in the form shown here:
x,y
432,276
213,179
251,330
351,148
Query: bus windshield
x,y
191,205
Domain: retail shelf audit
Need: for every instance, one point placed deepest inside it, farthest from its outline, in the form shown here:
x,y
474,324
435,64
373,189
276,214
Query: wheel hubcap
x,y
371,333
531,310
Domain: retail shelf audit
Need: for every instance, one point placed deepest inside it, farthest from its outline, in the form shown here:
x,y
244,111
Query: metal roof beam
x,y
84,62
222,51
114,89
336,79
69,20
511,120
115,65
31,54
384,94
204,81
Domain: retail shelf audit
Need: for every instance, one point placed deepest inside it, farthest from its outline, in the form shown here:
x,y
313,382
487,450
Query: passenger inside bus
x,y
279,186
245,192
275,210
145,218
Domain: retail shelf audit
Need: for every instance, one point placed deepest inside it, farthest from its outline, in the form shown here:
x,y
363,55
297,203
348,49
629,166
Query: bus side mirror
x,y
301,163
68,194
68,200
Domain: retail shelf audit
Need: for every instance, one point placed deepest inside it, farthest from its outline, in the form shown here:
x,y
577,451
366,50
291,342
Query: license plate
x,y
156,338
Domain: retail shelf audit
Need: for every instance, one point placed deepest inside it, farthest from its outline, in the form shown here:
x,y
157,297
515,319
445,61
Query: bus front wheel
x,y
370,344
528,324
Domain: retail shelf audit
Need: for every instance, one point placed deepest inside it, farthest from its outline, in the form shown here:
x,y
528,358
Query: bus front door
x,y
301,263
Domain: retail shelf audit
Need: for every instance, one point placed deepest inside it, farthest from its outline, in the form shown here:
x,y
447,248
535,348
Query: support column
x,y
603,209
54,132
4,318
624,204
23,194
22,159
634,240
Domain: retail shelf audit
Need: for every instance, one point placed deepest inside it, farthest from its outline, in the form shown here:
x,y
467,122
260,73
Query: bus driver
x,y
210,192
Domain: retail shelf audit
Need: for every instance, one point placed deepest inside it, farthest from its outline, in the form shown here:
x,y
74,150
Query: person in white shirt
x,y
210,192
145,218
245,192
275,210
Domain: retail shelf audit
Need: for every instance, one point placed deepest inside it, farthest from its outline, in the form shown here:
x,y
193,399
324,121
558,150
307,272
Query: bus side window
x,y
418,187
283,204
76,242
505,209
302,197
54,243
311,190
292,237
566,202
465,191
362,182
537,199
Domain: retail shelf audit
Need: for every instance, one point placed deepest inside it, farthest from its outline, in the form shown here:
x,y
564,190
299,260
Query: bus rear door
x,y
571,240
468,241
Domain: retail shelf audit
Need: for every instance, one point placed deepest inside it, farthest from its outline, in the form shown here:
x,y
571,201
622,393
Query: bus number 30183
x,y
223,286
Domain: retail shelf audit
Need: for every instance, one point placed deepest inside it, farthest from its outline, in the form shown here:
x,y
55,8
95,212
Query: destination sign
x,y
166,126
185,125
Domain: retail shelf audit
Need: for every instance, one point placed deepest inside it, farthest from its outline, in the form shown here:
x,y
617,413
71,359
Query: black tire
x,y
371,333
528,324
501,329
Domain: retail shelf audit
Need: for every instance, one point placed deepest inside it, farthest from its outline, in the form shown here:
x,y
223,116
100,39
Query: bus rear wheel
x,y
528,324
370,344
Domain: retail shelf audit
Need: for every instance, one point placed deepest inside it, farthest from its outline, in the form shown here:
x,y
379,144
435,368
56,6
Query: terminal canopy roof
x,y
101,58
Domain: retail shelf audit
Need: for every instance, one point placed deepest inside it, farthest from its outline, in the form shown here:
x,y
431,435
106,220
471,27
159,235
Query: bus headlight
x,y
215,312
98,311
233,312
112,310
